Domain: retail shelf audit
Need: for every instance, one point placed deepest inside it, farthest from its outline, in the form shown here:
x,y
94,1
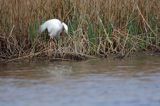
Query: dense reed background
x,y
96,27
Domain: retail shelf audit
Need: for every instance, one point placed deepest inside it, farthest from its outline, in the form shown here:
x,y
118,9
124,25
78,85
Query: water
x,y
101,82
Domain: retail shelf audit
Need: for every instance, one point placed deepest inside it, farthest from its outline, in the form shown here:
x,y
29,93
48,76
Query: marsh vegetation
x,y
96,28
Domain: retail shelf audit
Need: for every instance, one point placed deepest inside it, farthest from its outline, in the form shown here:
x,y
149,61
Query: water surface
x,y
134,81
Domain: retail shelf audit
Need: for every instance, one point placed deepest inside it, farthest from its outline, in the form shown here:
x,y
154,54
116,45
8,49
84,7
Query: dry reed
x,y
96,27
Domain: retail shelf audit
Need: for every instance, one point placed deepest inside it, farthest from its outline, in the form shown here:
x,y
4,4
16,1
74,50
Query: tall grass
x,y
96,27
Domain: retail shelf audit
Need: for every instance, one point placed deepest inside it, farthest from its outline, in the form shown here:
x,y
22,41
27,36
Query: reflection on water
x,y
100,82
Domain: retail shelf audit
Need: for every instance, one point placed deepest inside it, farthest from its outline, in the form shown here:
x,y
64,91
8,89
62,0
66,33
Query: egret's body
x,y
54,26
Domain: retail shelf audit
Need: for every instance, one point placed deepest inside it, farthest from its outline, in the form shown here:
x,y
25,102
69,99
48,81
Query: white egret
x,y
55,27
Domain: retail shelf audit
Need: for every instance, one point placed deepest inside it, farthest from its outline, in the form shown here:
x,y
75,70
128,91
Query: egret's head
x,y
65,28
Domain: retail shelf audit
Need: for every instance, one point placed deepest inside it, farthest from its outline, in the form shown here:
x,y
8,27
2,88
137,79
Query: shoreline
x,y
74,57
95,29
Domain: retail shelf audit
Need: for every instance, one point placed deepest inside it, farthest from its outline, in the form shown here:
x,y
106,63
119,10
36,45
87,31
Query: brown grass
x,y
96,27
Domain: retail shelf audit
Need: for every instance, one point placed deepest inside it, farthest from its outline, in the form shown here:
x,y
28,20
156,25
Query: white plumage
x,y
54,26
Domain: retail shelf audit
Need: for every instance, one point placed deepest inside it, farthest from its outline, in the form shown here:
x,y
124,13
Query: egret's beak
x,y
66,32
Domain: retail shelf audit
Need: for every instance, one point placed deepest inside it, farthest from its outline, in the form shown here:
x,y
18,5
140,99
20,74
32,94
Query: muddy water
x,y
133,81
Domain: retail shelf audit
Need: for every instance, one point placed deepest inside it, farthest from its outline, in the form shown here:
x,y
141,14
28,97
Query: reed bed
x,y
96,28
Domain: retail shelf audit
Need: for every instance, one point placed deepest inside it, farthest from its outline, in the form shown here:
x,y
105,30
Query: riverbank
x,y
96,28
75,58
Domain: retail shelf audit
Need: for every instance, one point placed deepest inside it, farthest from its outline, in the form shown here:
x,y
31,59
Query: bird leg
x,y
62,37
52,46
50,49
55,43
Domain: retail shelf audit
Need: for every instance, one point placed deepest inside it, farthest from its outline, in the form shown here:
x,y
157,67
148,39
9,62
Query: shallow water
x,y
101,82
